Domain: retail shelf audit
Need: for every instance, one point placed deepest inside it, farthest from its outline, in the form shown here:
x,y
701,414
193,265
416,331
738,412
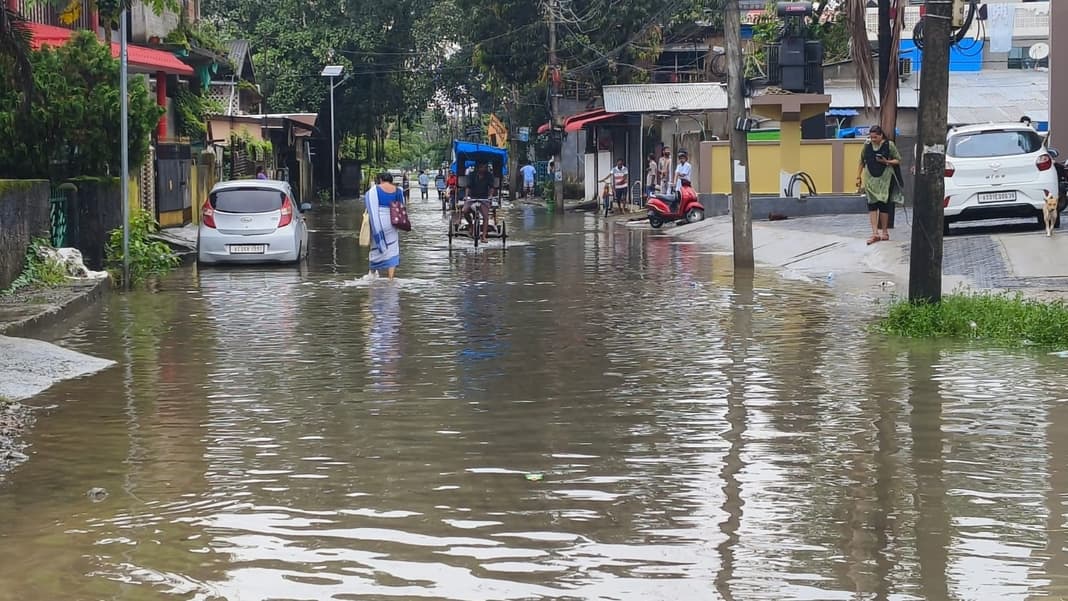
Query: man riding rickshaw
x,y
479,169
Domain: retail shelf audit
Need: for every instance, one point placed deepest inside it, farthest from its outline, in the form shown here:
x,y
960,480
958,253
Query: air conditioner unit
x,y
904,68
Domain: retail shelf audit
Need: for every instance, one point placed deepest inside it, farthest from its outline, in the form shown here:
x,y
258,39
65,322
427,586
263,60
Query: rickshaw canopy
x,y
473,152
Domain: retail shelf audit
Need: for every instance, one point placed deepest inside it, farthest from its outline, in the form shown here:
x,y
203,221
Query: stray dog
x,y
1050,213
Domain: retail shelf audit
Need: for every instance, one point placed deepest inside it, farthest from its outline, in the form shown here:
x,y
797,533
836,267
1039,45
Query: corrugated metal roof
x,y
993,95
237,50
665,98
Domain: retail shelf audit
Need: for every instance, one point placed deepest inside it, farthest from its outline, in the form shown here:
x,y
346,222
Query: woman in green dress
x,y
876,177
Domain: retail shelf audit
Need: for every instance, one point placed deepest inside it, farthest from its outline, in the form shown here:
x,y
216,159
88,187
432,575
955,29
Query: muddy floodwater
x,y
596,413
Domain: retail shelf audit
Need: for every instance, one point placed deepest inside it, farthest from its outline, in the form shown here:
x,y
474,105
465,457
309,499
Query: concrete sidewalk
x,y
1001,257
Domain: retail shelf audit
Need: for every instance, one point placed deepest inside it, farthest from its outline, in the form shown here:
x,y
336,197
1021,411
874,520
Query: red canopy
x,y
140,59
577,122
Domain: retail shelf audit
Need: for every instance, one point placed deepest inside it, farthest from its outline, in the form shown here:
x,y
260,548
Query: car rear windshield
x,y
994,144
248,200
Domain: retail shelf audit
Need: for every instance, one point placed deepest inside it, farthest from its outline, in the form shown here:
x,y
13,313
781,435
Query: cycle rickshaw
x,y
467,155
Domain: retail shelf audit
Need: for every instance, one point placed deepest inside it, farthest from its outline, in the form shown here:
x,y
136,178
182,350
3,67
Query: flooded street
x,y
597,413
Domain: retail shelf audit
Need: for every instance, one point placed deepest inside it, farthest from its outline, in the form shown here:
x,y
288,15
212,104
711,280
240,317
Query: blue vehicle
x,y
470,154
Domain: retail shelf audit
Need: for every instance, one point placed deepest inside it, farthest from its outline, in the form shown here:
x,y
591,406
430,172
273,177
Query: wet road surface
x,y
594,414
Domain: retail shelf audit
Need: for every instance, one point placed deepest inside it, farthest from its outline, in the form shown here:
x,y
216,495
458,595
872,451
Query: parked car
x,y
996,171
252,221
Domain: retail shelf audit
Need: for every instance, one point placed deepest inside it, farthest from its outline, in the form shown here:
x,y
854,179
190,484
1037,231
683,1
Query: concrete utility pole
x,y
925,265
557,122
741,209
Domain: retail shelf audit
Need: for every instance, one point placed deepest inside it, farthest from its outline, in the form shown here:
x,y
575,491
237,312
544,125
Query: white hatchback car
x,y
996,171
252,221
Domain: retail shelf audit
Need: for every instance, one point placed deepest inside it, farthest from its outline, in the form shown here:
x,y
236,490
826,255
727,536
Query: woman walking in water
x,y
875,177
385,241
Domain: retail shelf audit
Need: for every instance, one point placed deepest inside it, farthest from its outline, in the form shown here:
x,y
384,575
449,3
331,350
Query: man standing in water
x,y
424,185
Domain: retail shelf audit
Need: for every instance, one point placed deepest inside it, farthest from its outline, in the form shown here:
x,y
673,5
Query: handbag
x,y
398,216
365,230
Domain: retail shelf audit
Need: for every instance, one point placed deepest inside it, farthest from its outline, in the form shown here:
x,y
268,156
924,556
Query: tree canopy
x,y
73,120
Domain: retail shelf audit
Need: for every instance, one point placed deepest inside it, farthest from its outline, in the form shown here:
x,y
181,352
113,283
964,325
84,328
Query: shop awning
x,y
140,59
577,124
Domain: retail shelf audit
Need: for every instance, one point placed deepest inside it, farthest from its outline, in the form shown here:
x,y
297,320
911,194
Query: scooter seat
x,y
665,197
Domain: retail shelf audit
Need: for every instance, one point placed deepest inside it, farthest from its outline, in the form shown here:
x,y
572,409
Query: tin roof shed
x,y
665,98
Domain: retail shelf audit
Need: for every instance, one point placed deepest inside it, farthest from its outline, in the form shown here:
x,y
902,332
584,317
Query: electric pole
x,y
925,264
556,130
741,210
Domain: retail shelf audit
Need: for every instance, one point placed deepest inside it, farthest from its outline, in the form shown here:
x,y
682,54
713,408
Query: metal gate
x,y
174,163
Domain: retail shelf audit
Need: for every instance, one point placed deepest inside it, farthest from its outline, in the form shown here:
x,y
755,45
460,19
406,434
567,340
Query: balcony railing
x,y
47,13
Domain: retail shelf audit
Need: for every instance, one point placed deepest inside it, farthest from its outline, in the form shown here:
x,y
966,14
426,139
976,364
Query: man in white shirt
x,y
683,171
528,172
620,177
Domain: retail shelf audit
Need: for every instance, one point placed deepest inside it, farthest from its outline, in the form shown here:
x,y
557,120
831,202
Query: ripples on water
x,y
591,415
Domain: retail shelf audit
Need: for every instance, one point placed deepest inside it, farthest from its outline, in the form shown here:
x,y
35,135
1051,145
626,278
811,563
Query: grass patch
x,y
1003,318
37,271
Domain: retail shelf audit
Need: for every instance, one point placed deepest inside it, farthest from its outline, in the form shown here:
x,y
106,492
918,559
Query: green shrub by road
x,y
1003,318
38,270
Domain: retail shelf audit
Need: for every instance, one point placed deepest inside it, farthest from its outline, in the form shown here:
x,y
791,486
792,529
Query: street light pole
x,y
124,136
333,149
333,71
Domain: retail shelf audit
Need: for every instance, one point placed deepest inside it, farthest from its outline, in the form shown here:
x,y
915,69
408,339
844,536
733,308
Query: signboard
x,y
524,134
748,5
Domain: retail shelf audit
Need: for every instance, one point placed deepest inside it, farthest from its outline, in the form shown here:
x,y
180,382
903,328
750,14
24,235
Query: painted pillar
x,y
790,145
1058,86
161,99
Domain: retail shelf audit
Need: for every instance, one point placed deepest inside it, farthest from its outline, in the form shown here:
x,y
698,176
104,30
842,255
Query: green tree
x,y
72,126
15,53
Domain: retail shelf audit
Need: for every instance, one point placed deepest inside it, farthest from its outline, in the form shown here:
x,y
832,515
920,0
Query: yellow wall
x,y
852,151
134,199
817,159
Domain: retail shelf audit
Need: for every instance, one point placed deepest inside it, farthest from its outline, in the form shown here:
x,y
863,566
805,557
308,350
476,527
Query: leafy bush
x,y
148,257
191,110
1003,318
38,270
72,127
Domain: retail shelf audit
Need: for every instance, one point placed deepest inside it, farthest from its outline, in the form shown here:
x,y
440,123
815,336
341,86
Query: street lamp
x,y
124,154
332,71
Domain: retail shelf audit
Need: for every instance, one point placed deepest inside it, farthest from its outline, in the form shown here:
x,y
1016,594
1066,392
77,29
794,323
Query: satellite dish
x,y
1039,51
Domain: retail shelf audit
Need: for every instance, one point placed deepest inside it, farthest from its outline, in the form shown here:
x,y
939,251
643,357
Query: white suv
x,y
997,171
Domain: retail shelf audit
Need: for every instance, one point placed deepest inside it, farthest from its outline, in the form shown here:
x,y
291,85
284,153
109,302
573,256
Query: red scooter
x,y
682,207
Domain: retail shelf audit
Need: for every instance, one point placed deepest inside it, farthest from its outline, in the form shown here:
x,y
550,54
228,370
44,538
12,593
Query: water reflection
x,y
384,348
592,414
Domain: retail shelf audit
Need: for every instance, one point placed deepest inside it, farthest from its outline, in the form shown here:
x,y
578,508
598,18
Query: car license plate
x,y
997,196
247,249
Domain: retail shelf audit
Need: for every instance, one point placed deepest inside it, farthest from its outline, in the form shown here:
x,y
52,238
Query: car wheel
x,y
1041,220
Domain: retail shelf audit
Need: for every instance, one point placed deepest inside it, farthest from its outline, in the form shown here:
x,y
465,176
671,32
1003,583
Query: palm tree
x,y
15,49
856,12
